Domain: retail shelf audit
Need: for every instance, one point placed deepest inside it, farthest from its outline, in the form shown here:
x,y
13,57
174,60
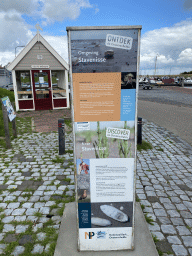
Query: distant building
x,y
40,77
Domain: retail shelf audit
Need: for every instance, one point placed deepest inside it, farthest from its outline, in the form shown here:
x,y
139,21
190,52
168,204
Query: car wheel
x,y
150,88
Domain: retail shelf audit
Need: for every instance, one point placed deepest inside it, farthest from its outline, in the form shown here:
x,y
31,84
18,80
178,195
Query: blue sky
x,y
166,27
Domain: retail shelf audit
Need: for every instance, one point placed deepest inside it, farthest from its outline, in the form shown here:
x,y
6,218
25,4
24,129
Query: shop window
x,y
24,88
58,84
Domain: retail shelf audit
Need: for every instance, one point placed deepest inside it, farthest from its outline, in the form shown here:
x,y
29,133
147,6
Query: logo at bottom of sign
x,y
98,235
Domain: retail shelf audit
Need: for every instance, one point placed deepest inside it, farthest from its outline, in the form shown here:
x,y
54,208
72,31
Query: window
x,y
23,82
58,84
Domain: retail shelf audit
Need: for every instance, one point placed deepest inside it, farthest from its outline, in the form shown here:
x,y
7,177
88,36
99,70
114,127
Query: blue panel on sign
x,y
128,104
84,215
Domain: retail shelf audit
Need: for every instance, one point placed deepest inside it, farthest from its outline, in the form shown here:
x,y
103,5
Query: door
x,y
42,89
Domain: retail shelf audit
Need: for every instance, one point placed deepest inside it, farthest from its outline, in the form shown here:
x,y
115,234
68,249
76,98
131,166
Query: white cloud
x,y
185,57
169,44
59,10
59,43
13,32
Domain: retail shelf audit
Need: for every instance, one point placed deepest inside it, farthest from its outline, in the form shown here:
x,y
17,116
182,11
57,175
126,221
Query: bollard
x,y
61,134
139,131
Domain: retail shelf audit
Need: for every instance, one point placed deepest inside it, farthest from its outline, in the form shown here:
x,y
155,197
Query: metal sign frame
x,y
124,42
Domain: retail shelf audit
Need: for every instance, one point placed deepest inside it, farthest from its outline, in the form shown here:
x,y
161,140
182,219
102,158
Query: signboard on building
x,y
104,66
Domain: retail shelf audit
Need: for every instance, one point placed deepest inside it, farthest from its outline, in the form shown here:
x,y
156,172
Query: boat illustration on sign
x,y
114,213
100,222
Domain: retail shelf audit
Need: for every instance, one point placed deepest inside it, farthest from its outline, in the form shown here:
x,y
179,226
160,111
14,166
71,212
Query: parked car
x,y
8,87
188,81
147,87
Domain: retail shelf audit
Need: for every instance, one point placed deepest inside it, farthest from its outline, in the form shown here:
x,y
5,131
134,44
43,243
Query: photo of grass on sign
x,y
106,140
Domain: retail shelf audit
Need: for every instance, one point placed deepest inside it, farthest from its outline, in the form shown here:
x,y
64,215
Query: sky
x,y
166,35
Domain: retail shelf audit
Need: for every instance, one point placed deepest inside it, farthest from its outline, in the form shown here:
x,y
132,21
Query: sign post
x,y
104,65
8,112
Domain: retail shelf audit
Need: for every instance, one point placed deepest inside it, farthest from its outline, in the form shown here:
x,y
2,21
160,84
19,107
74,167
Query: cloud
x,y
187,4
13,32
59,10
169,43
59,43
185,57
21,6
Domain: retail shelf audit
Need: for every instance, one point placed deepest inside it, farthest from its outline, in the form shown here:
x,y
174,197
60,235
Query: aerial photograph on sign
x,y
104,52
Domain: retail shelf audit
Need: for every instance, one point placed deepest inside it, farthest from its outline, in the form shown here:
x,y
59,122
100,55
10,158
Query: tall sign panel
x,y
104,67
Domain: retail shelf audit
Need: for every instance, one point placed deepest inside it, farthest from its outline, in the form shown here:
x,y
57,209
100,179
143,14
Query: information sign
x,y
10,111
104,67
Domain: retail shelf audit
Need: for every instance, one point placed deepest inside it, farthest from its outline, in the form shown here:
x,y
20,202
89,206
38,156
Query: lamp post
x,y
16,49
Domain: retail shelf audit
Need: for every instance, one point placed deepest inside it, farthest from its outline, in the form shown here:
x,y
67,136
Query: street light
x,y
17,47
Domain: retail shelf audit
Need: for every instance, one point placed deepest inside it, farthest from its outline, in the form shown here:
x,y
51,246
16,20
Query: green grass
x,y
23,125
155,239
58,160
38,214
144,146
149,219
142,206
68,122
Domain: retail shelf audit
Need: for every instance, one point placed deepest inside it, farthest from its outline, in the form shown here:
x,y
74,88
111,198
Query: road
x,y
169,108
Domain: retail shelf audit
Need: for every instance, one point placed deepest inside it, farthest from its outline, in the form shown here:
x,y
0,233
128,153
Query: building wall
x,y
31,59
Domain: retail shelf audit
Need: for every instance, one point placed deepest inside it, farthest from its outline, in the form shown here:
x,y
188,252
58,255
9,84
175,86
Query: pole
x,y
6,126
61,134
14,128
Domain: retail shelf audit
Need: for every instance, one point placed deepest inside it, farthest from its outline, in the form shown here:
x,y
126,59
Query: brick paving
x,y
164,187
35,184
31,183
46,120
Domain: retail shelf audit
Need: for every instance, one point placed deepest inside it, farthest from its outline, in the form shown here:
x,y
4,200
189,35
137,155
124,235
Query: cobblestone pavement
x,y
35,183
164,187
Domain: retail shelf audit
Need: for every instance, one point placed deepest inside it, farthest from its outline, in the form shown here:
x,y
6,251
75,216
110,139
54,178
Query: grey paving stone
x,y
38,193
34,199
190,251
20,218
169,206
41,236
173,240
8,211
173,213
186,214
10,238
37,249
37,226
168,229
13,205
157,205
183,230
187,204
70,193
31,211
158,235
21,228
18,211
179,250
154,227
8,219
160,213
39,205
164,220
187,240
18,250
8,227
177,221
